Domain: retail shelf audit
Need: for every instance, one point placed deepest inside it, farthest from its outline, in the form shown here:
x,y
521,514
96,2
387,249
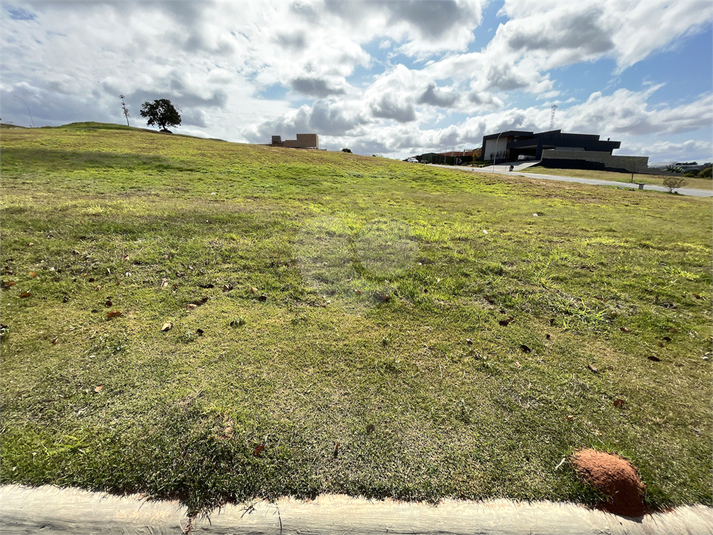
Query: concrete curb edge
x,y
61,511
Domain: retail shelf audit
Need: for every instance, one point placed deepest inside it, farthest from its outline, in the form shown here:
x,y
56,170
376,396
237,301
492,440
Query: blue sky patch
x,y
274,92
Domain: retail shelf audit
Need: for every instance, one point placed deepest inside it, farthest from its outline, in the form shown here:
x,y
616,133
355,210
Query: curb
x,y
55,511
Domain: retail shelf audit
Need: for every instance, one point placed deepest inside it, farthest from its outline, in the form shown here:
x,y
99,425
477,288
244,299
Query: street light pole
x,y
28,111
496,150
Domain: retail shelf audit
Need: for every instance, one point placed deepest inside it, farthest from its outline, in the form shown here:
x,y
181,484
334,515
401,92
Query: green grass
x,y
341,294
656,180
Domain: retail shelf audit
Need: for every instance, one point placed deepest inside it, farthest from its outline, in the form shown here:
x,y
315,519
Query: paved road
x,y
54,511
503,169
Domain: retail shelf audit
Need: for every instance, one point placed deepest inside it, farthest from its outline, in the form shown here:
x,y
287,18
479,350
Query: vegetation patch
x,y
215,322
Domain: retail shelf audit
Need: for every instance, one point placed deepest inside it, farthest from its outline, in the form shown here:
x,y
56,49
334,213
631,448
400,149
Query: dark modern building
x,y
558,149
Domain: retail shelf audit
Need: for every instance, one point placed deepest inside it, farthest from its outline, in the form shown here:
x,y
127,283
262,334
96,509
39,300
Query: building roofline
x,y
509,132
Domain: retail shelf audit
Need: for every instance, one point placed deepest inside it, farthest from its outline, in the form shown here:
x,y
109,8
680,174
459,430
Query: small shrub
x,y
673,183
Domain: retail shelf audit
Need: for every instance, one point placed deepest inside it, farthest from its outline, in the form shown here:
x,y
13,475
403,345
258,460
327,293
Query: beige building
x,y
303,141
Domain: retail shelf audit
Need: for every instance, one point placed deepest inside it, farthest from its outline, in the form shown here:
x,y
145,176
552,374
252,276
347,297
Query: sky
x,y
394,78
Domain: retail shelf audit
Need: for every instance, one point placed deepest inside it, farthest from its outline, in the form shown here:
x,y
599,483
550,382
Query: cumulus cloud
x,y
484,100
332,118
616,115
578,31
42,106
384,77
432,18
305,10
390,107
437,97
629,112
419,26
506,78
582,31
295,41
315,87
327,118
195,118
672,151
286,125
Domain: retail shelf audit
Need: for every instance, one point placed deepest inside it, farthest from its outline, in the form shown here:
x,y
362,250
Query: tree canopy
x,y
161,113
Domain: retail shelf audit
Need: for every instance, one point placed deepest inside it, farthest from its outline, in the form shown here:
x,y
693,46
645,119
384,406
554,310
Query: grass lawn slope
x,y
216,322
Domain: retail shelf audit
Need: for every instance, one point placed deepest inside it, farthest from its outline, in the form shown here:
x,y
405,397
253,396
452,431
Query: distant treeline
x,y
450,158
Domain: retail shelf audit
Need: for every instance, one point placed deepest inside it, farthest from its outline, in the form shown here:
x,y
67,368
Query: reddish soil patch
x,y
615,477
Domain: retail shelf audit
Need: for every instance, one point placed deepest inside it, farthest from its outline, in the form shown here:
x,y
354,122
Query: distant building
x,y
453,157
688,166
561,150
303,141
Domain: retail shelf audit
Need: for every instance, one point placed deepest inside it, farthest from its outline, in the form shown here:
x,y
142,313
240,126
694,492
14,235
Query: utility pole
x,y
126,110
28,111
495,159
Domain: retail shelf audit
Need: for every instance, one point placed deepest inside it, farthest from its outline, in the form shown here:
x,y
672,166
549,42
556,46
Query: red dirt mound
x,y
615,477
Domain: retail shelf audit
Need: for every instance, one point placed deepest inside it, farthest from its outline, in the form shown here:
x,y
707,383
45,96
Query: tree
x,y
346,150
161,113
673,183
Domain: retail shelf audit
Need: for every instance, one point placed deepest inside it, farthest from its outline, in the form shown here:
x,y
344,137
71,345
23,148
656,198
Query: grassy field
x,y
697,183
216,322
